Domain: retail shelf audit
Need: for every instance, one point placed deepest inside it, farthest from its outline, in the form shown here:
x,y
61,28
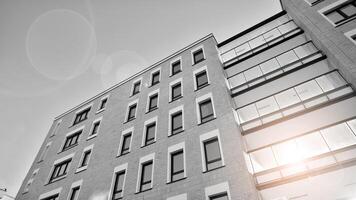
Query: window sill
x,y
201,87
195,63
152,85
201,123
134,94
151,110
71,147
171,135
122,154
55,180
99,111
143,191
175,73
148,144
127,121
80,169
206,171
171,182
175,99
92,136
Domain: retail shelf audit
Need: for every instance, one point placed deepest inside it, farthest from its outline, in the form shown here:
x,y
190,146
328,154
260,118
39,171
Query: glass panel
x,y
286,152
352,124
305,50
269,66
206,110
338,136
219,197
242,49
349,10
308,90
270,35
311,145
257,42
126,143
228,55
153,101
253,73
150,135
263,159
335,17
212,150
330,81
177,162
247,113
176,91
202,79
198,56
287,58
287,27
287,98
236,80
177,121
146,172
266,106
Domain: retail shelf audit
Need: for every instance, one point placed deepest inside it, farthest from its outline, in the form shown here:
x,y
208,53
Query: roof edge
x,y
138,74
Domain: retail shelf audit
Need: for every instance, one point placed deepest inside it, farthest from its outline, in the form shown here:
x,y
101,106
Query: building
x,y
269,113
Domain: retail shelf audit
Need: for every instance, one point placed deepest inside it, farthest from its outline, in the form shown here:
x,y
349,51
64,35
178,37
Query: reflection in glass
x,y
338,136
263,159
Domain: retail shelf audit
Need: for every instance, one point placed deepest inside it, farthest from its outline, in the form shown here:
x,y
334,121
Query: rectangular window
x,y
72,140
206,110
132,112
95,128
146,176
60,170
176,67
81,116
103,103
118,185
150,133
53,197
153,102
136,88
222,196
177,122
85,160
126,140
155,78
340,12
74,193
212,154
176,91
177,165
201,79
198,56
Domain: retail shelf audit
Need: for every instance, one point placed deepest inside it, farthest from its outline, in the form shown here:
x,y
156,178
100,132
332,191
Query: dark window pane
x,y
177,166
118,186
177,124
132,112
146,176
86,158
212,154
81,116
95,128
335,17
71,140
54,197
155,78
198,56
176,91
75,193
103,104
60,170
349,10
342,13
201,79
150,133
136,88
206,111
219,197
153,102
176,68
126,144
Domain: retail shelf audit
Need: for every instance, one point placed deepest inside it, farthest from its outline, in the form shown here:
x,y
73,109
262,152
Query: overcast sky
x,y
56,54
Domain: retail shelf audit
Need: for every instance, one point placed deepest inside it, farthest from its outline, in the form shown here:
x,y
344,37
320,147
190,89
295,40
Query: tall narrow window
x,y
103,103
132,112
212,154
136,88
85,159
146,176
153,102
198,56
74,193
72,140
201,79
118,185
95,128
155,78
60,170
126,140
177,165
81,116
150,133
176,67
177,122
206,110
176,91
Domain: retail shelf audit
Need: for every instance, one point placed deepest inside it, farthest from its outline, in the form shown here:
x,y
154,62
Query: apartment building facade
x,y
269,113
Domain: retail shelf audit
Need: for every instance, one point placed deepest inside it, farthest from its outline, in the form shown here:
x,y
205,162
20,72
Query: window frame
x,y
335,6
147,123
158,70
195,50
171,113
143,160
117,170
83,109
214,134
51,193
350,35
173,84
104,98
201,100
129,105
148,104
197,72
82,167
63,148
57,162
133,93
124,133
180,147
171,64
77,184
217,189
98,120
